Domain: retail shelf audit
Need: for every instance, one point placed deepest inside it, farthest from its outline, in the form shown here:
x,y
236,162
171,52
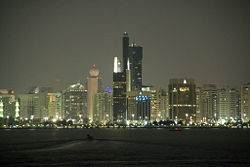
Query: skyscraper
x,y
158,102
245,102
119,92
92,89
182,99
74,102
138,106
208,103
8,102
125,50
228,103
135,59
29,106
55,105
103,110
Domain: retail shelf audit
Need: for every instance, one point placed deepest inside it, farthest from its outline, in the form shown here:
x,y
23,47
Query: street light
x,y
186,117
133,115
107,117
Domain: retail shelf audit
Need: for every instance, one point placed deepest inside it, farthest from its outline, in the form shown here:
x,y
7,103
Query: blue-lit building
x,y
138,106
143,107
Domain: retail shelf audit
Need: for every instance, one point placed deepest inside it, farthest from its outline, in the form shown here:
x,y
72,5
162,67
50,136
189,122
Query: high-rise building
x,y
138,106
245,102
125,50
228,103
103,109
159,103
182,100
34,104
8,101
119,92
135,59
198,104
55,105
207,103
93,81
74,102
29,106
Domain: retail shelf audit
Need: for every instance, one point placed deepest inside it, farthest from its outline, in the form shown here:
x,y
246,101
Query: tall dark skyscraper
x,y
135,59
125,46
119,92
133,53
119,96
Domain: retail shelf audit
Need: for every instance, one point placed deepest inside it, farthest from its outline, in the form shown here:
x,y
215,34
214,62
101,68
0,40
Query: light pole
x,y
80,118
159,117
186,118
133,115
244,117
8,120
107,117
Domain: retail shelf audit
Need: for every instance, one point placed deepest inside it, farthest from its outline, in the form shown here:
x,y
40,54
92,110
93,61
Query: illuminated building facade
x,y
245,102
55,105
93,81
138,106
75,102
1,109
103,109
8,102
207,107
17,110
159,102
182,99
228,103
198,105
29,105
119,96
34,104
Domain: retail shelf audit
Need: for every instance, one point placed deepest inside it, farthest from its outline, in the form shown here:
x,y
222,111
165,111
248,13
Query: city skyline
x,y
39,50
124,83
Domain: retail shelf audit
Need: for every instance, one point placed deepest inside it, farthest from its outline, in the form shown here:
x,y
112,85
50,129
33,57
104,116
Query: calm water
x,y
125,147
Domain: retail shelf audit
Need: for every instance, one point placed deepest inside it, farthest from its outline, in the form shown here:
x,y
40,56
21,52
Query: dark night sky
x,y
46,41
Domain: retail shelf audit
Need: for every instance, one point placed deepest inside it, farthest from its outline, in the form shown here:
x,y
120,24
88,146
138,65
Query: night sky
x,y
45,42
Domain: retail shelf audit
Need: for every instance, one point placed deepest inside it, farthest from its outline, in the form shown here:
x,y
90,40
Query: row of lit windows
x,y
183,105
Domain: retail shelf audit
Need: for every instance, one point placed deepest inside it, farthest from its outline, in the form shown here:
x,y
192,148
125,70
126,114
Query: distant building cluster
x,y
78,102
181,101
129,101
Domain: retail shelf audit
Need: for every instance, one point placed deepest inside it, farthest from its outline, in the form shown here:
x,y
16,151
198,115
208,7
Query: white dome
x,y
94,72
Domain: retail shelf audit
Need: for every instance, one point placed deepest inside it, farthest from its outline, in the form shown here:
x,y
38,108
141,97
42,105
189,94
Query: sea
x,y
190,147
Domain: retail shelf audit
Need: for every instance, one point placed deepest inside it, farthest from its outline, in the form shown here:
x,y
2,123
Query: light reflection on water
x,y
134,147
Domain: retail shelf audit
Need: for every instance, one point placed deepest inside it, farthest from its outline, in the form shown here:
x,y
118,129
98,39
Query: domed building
x,y
94,72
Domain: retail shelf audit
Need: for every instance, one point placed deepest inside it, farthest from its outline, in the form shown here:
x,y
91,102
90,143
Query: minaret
x,y
128,77
92,89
